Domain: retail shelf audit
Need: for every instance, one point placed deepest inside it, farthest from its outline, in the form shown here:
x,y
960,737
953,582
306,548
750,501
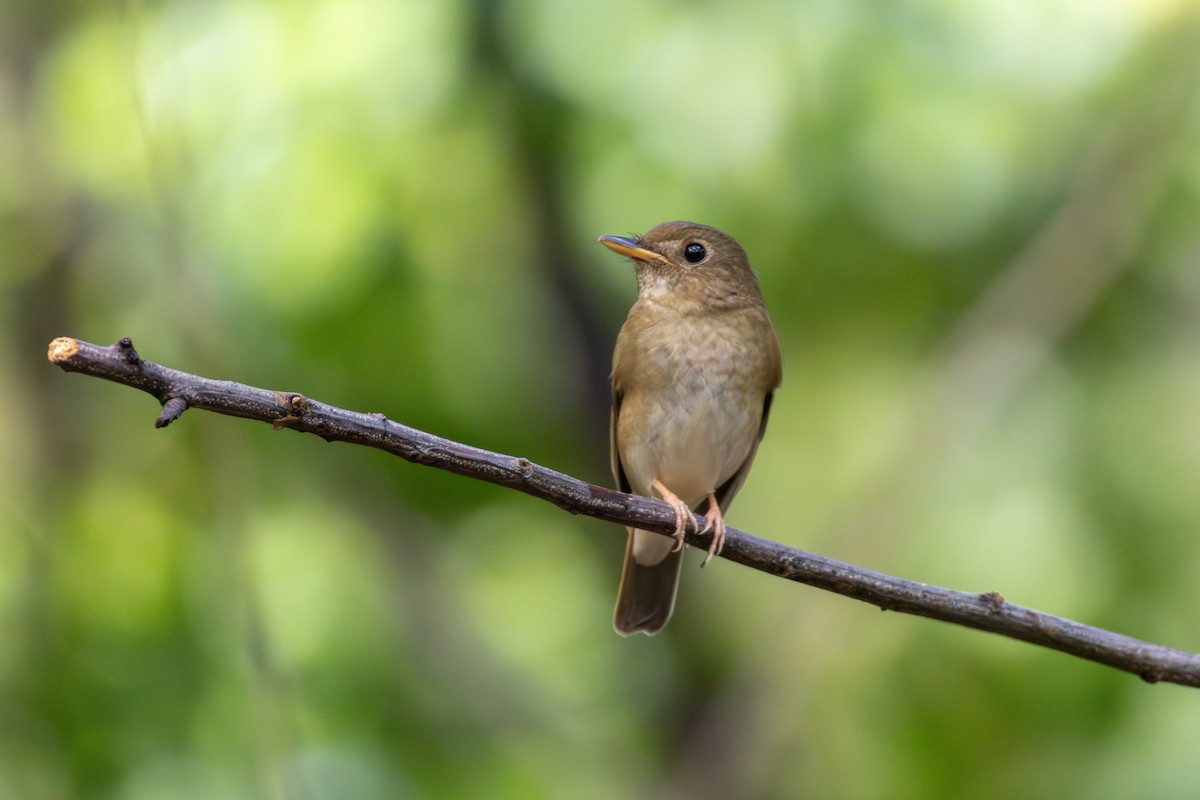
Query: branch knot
x,y
124,350
295,405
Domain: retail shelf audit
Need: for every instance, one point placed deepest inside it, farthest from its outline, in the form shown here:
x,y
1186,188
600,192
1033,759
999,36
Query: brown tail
x,y
647,594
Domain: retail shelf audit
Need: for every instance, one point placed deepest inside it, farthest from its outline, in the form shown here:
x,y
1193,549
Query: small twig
x,y
990,612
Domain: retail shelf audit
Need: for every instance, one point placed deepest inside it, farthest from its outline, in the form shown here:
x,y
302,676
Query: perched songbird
x,y
695,367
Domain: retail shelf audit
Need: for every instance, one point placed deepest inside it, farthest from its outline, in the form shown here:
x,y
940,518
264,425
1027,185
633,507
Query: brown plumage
x,y
694,370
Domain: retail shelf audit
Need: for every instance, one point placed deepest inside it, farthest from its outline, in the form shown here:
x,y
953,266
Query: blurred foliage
x,y
975,225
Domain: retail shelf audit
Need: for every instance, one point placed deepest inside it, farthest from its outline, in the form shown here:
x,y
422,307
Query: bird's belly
x,y
694,438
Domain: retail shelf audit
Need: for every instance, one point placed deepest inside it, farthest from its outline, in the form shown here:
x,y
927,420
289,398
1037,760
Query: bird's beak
x,y
628,247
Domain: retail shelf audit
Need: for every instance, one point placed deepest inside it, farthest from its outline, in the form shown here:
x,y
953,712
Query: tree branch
x,y
179,391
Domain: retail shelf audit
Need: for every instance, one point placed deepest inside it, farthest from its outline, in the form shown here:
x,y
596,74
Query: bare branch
x,y
179,391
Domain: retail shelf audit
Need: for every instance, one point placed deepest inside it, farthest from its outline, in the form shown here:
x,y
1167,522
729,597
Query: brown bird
x,y
695,367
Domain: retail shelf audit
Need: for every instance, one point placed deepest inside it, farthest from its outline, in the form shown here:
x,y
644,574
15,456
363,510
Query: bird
x,y
695,368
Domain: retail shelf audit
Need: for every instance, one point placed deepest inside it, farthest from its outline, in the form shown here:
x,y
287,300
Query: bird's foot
x,y
715,522
683,514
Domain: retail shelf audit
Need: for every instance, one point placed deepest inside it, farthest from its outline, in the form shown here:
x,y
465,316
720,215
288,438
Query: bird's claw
x,y
683,518
715,522
683,515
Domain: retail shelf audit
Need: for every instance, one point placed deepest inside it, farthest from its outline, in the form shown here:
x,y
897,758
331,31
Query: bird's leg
x,y
683,514
715,523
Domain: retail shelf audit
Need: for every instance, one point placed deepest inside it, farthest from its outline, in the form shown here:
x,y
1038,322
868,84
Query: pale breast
x,y
693,391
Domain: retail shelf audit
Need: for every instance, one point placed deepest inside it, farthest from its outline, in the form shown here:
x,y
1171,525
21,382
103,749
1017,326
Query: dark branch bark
x,y
990,612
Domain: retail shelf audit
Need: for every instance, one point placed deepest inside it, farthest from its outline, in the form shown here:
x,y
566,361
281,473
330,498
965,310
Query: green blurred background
x,y
976,226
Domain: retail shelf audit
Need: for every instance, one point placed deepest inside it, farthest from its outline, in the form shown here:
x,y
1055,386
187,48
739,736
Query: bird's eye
x,y
694,253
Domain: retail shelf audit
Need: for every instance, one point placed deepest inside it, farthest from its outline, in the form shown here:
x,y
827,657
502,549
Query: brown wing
x,y
618,470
